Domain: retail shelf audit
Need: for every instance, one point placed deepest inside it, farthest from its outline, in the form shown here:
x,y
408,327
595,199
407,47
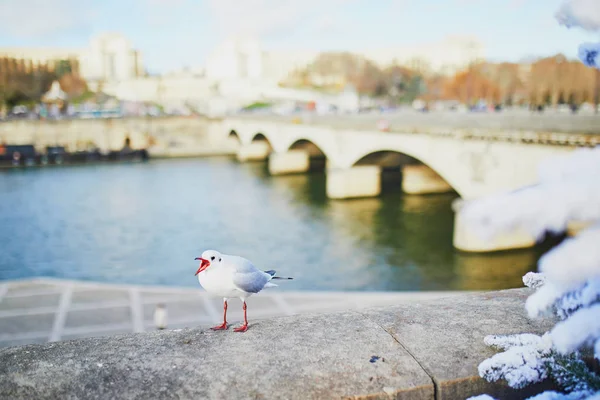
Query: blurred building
x,y
236,59
244,59
109,57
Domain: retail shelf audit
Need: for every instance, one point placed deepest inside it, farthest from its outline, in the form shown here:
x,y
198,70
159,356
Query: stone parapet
x,y
424,350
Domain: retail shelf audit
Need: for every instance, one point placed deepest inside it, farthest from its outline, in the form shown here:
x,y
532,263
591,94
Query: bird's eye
x,y
212,258
219,260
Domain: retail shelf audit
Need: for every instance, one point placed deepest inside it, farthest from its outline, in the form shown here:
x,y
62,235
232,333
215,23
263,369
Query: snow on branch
x,y
589,54
531,359
575,260
585,296
523,362
552,395
584,14
534,280
540,303
580,329
535,209
559,296
568,281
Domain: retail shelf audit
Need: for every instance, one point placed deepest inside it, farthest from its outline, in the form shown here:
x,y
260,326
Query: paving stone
x,y
28,302
19,288
99,296
26,323
107,305
179,310
107,316
155,298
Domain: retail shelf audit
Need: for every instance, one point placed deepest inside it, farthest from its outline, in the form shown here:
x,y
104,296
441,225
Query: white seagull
x,y
232,276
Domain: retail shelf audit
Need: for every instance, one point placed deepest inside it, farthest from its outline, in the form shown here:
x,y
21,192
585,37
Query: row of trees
x,y
22,82
552,80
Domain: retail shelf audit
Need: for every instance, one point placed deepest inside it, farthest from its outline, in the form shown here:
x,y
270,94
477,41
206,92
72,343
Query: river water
x,y
145,224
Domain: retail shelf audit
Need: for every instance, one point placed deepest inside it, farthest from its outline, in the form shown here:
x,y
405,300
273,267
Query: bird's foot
x,y
242,328
221,327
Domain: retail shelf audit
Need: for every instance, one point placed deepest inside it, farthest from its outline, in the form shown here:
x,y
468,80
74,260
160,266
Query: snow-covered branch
x,y
574,261
580,329
534,280
589,54
524,360
568,281
583,14
568,190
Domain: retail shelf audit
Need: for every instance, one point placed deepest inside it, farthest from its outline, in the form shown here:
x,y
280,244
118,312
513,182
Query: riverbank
x,y
111,134
44,309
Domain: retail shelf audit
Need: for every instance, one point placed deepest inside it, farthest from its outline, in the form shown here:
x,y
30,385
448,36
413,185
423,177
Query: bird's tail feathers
x,y
269,284
272,273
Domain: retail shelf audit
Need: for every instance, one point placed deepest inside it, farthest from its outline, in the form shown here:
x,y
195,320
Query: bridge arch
x,y
263,140
307,145
399,168
386,158
259,136
254,147
317,157
233,135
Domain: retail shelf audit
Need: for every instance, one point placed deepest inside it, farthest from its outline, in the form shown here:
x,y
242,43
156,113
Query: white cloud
x,y
36,18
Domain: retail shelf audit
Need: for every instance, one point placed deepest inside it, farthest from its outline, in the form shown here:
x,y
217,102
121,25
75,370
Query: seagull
x,y
230,276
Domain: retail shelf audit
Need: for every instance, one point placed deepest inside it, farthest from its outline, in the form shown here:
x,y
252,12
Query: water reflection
x,y
145,224
505,270
408,240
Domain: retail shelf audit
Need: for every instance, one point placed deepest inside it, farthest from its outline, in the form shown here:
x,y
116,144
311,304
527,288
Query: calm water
x,y
145,223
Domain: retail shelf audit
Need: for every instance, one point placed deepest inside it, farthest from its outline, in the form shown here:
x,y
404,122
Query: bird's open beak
x,y
203,265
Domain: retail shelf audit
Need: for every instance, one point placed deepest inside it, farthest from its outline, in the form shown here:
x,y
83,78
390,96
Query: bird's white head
x,y
208,258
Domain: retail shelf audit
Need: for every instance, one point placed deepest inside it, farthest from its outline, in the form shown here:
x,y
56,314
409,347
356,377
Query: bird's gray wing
x,y
238,264
250,282
246,276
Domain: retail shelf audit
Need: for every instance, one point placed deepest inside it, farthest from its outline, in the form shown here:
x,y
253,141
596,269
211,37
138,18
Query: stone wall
x,y
424,350
170,136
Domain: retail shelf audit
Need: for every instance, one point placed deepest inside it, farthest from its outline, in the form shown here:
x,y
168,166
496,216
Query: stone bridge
x,y
359,162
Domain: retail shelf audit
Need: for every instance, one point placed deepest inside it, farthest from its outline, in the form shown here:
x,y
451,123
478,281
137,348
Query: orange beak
x,y
203,265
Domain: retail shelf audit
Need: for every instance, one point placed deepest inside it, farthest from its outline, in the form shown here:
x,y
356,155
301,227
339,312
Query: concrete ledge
x,y
423,350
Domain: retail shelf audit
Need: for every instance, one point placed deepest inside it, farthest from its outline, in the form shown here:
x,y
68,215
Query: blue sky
x,y
176,33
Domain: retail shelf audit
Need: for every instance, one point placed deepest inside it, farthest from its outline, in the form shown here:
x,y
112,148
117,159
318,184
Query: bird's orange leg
x,y
224,325
244,327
